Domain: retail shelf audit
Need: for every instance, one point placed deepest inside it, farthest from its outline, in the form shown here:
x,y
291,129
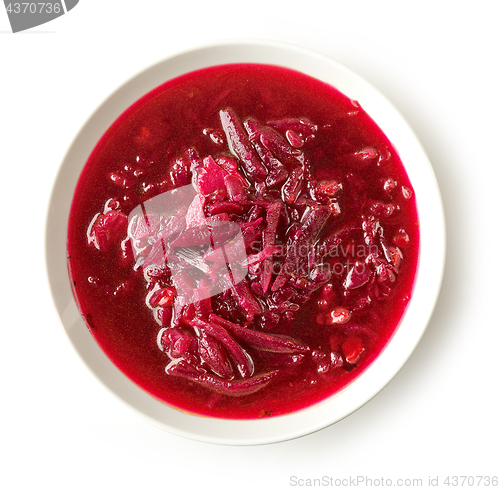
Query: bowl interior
x,y
429,273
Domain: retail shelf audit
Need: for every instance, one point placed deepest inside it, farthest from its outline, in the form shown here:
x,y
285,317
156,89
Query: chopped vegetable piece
x,y
213,354
240,146
243,362
259,340
231,388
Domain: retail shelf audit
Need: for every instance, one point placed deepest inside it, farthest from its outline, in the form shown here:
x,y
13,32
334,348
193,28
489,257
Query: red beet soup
x,y
243,241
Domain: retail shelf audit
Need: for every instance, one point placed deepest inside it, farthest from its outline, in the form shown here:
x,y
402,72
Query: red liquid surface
x,y
327,182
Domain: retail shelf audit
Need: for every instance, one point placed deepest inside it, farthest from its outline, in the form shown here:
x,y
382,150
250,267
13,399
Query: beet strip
x,y
293,185
258,258
240,145
246,299
251,224
276,170
332,241
269,239
279,147
225,207
260,340
243,363
230,165
253,128
272,218
212,352
298,250
203,307
227,387
301,125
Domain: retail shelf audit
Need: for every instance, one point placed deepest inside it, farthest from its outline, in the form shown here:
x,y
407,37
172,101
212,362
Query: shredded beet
x,y
227,387
234,257
242,249
259,340
242,360
240,145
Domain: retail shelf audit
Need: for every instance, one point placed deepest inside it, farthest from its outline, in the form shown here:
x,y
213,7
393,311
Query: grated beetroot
x,y
260,247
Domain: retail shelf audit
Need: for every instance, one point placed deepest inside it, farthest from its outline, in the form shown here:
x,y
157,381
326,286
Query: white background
x,y
437,62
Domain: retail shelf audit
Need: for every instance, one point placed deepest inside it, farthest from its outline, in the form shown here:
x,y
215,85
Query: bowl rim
x,y
430,267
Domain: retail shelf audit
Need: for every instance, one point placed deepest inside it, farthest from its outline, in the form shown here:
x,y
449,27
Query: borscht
x,y
243,241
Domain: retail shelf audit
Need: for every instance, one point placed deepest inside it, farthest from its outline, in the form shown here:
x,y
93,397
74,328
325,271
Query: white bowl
x,y
430,269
